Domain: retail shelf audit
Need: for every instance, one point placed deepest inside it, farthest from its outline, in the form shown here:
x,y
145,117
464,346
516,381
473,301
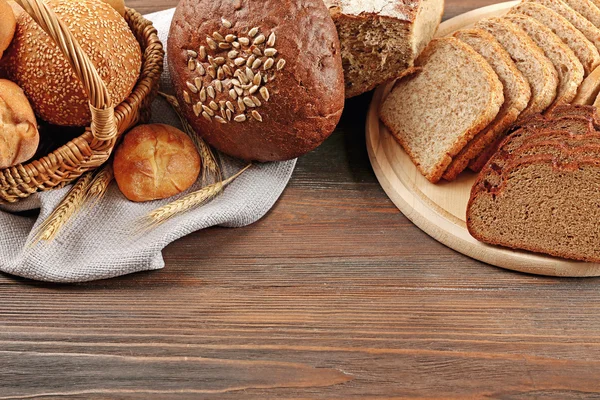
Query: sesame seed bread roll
x,y
258,80
19,137
37,65
7,27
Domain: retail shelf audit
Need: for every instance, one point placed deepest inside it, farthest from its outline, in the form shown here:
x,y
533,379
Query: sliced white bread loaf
x,y
584,49
436,111
567,65
516,96
590,31
530,60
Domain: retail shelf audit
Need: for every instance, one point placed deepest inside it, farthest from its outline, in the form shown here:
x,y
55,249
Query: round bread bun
x,y
19,137
36,64
258,80
7,27
155,162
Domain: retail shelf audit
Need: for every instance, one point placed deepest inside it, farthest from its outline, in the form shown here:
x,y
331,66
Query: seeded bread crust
x,y
567,65
584,49
407,111
291,113
589,30
529,58
516,96
381,38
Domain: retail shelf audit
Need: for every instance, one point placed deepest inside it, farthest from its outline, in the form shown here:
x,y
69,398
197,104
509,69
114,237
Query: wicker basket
x,y
93,148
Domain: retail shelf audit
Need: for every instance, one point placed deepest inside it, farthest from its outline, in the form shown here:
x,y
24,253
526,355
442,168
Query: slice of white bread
x,y
530,60
584,49
589,30
587,9
436,111
567,65
516,96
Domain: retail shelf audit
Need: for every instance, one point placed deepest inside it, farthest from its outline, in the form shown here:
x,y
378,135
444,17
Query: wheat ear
x,y
192,200
99,185
210,166
67,208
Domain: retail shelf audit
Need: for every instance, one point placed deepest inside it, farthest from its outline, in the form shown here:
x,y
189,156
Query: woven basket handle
x,y
104,126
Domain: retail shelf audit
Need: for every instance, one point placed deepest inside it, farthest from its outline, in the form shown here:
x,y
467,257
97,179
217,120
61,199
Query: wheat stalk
x,y
67,208
100,184
192,200
210,166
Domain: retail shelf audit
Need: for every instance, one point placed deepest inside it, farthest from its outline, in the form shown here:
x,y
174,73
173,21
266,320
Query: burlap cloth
x,y
99,243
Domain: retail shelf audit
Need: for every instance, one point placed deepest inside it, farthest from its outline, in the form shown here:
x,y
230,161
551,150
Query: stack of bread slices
x,y
539,191
453,109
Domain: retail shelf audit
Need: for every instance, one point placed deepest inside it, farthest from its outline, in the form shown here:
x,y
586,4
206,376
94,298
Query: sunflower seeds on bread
x,y
567,65
436,111
530,60
516,96
584,49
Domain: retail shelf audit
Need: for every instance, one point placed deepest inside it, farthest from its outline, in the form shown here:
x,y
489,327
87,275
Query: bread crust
x,y
7,27
306,95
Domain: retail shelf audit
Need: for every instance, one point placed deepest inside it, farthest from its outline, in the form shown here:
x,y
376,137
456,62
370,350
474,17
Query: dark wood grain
x,y
333,295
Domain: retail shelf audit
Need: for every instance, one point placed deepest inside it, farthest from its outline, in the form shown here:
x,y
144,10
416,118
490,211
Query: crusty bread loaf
x,y
36,63
530,60
584,49
155,161
567,65
258,80
436,111
379,39
19,137
7,27
516,96
589,30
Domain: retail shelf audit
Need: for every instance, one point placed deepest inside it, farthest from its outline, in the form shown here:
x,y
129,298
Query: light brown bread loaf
x,y
436,111
530,60
589,89
7,27
379,39
589,30
584,49
567,65
516,96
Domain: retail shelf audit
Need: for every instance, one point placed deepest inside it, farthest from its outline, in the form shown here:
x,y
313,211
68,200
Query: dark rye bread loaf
x,y
544,204
258,80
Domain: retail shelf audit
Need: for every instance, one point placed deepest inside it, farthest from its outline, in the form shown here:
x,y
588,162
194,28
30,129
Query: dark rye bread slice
x,y
542,206
586,111
576,124
434,112
590,31
584,49
567,65
530,60
516,96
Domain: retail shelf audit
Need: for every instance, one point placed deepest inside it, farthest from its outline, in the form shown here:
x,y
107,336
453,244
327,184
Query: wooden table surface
x,y
333,295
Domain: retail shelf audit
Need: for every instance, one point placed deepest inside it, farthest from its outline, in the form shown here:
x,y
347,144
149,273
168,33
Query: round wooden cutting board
x,y
439,210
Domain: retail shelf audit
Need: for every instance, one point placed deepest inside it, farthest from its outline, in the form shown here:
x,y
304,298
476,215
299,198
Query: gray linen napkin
x,y
100,242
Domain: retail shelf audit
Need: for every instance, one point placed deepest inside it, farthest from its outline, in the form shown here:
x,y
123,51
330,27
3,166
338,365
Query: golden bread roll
x,y
118,5
7,27
19,137
155,162
36,63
